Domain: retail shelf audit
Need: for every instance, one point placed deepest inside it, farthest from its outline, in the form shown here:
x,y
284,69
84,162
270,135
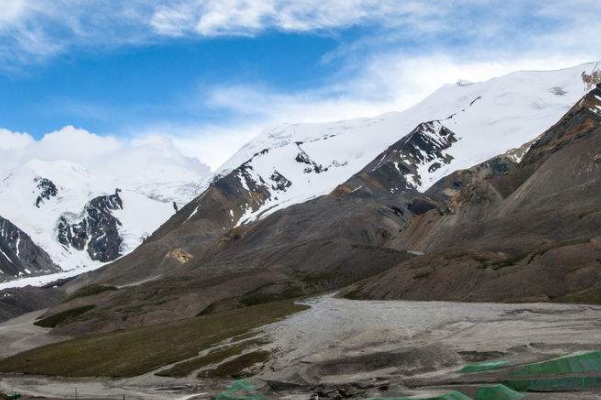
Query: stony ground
x,y
334,329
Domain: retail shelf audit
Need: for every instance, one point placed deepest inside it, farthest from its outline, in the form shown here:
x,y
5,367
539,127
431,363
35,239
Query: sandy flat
x,y
20,334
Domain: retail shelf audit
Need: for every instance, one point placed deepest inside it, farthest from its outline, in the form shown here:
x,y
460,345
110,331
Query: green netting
x,y
483,366
449,396
573,364
571,383
497,392
240,390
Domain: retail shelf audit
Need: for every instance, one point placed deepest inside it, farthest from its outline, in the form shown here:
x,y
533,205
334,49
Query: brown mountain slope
x,y
516,233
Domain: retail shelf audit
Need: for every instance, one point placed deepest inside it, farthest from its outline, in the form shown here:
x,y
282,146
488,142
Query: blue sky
x,y
209,74
111,92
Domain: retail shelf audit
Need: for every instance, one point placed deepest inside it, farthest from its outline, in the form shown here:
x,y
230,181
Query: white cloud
x,y
212,144
245,17
33,29
142,159
73,144
13,141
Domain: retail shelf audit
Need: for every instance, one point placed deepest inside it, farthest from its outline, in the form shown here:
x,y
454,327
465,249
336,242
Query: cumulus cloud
x,y
144,158
213,144
13,140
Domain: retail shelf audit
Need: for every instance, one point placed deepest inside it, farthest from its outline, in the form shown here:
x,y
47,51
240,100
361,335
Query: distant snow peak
x,y
79,219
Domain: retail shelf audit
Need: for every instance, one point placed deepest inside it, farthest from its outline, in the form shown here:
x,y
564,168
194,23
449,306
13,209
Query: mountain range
x,y
79,220
483,193
311,208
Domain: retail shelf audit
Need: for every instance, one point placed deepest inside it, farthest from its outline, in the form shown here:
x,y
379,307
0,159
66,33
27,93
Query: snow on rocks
x,y
487,119
50,192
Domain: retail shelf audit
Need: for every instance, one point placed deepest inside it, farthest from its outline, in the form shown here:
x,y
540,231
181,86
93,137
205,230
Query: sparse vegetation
x,y
587,296
185,368
266,295
90,291
63,317
421,275
237,367
135,352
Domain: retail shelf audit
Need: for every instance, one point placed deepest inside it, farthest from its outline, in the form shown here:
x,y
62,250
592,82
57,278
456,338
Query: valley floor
x,y
386,349
20,334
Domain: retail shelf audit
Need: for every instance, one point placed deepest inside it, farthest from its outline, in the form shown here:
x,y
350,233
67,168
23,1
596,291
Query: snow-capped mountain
x,y
456,127
86,217
83,219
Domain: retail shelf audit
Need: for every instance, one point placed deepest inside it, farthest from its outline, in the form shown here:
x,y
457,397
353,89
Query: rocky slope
x,y
97,231
19,255
18,301
511,232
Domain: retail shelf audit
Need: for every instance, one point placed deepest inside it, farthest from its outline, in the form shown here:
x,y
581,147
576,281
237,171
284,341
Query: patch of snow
x,y
17,244
5,256
45,279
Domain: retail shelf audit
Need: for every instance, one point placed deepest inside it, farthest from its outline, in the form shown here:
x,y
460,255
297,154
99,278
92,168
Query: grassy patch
x,y
185,368
422,275
63,317
139,351
236,368
587,296
264,296
90,291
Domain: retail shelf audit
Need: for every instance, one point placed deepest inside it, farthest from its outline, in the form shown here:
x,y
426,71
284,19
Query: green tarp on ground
x,y
484,366
497,392
449,396
573,364
240,390
570,383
